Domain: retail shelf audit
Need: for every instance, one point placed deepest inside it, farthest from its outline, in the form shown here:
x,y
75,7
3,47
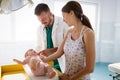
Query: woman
x,y
78,44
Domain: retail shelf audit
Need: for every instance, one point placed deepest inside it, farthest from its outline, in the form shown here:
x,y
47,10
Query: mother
x,y
78,44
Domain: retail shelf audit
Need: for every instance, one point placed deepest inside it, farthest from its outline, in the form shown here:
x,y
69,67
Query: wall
x,y
11,50
108,47
117,32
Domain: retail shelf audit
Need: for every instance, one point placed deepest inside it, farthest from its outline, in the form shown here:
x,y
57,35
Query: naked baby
x,y
37,66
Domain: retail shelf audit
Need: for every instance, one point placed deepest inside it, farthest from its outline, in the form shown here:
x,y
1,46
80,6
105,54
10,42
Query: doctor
x,y
50,34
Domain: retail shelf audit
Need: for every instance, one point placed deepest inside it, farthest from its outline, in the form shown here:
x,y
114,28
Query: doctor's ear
x,y
50,13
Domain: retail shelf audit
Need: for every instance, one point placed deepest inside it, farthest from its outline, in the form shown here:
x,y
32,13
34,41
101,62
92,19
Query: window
x,y
25,24
22,24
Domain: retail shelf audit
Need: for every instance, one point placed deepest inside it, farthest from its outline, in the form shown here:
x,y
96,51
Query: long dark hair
x,y
77,9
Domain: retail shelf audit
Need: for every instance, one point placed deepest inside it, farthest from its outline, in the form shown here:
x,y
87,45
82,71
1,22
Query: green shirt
x,y
50,44
49,37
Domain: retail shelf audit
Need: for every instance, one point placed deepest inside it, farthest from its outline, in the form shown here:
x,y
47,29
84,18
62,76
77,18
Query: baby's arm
x,y
19,62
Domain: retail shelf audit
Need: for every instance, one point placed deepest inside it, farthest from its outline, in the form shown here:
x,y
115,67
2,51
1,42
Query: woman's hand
x,y
64,77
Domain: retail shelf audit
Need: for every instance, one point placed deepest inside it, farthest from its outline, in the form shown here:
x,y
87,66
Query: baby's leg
x,y
50,71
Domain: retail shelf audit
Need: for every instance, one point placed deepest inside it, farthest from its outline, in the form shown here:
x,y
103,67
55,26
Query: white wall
x,y
117,32
109,38
5,27
10,50
10,46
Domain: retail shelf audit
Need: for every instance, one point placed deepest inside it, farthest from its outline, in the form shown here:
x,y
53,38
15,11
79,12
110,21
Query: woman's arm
x,y
89,41
59,51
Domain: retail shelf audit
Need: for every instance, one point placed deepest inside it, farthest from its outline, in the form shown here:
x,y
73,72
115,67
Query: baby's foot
x,y
51,74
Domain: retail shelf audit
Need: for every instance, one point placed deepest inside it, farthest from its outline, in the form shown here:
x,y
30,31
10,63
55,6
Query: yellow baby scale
x,y
13,72
20,72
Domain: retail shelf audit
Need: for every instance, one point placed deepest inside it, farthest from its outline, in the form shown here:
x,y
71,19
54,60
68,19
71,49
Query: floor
x,y
101,72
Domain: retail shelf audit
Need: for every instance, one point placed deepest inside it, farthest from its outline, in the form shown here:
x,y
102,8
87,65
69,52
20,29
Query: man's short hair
x,y
42,7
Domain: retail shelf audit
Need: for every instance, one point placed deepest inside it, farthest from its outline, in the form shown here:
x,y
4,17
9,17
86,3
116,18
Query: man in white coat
x,y
50,34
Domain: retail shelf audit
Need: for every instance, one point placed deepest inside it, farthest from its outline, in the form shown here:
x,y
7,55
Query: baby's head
x,y
30,52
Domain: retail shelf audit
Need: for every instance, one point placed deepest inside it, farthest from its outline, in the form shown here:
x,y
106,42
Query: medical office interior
x,y
18,32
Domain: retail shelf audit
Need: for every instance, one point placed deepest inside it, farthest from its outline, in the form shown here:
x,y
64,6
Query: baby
x,y
37,66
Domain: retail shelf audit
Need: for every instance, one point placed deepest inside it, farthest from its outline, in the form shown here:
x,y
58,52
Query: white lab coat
x,y
58,33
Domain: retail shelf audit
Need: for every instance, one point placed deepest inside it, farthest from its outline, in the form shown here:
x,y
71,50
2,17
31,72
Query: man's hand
x,y
43,52
42,57
47,52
